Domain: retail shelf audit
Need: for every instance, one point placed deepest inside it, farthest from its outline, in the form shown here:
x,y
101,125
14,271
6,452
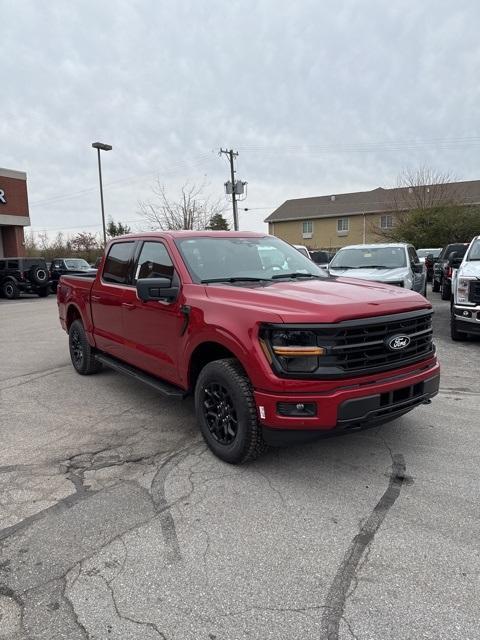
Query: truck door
x,y
107,297
152,329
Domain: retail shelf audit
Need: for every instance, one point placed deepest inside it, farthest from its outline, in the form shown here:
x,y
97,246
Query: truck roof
x,y
195,234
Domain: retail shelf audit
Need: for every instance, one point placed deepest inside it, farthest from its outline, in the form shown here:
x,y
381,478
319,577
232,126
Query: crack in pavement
x,y
48,372
121,616
167,523
346,573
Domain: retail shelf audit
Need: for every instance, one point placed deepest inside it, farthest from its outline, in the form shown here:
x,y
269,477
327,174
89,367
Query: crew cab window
x,y
118,262
154,262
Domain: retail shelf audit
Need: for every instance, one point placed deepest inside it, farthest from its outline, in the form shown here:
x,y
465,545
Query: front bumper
x,y
467,318
350,405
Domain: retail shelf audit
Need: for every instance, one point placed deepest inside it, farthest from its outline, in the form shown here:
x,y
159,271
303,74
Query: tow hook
x,y
427,401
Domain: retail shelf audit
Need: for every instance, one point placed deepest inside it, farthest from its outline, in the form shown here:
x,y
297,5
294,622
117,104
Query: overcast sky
x,y
318,97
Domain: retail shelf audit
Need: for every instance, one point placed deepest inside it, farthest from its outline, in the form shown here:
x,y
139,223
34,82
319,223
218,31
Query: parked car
x,y
271,354
442,270
465,308
428,257
23,275
322,258
303,250
395,264
71,266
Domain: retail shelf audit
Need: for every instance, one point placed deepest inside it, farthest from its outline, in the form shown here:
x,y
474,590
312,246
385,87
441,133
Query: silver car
x,y
396,264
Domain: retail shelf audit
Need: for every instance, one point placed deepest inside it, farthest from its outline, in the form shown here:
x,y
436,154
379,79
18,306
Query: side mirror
x,y
430,257
417,267
157,289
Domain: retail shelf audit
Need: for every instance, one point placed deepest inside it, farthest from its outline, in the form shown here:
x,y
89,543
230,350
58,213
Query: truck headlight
x,y
296,349
462,289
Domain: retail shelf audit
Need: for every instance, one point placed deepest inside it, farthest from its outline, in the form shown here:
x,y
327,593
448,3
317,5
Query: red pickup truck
x,y
273,349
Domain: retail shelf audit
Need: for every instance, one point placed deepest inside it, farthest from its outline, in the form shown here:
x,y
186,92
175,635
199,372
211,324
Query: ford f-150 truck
x,y
272,348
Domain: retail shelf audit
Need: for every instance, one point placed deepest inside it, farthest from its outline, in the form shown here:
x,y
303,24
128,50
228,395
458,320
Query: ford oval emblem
x,y
397,343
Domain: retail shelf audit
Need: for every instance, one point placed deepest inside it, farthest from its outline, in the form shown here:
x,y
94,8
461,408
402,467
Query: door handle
x,y
95,298
129,305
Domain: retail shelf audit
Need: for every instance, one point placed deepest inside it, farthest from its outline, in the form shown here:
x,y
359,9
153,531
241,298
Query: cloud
x,y
297,87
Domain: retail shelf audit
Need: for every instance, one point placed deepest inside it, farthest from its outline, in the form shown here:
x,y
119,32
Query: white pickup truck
x,y
465,314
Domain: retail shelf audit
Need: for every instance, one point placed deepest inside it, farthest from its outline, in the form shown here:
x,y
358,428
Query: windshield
x,y
423,253
77,263
369,258
222,259
474,253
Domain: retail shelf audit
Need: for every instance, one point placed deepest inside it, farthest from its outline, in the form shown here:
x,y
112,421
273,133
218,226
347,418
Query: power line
x,y
122,182
377,146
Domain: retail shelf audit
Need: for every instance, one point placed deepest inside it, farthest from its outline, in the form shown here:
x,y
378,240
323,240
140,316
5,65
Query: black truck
x,y
68,266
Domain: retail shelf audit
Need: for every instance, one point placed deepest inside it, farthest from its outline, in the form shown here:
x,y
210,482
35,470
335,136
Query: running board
x,y
162,387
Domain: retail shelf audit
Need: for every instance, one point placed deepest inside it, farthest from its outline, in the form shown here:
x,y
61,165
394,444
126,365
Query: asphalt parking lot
x,y
117,523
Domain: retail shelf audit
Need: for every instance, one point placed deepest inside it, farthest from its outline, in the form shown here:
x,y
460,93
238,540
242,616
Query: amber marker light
x,y
298,352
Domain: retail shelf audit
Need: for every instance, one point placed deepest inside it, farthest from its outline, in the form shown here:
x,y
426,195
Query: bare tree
x,y
192,210
424,188
418,191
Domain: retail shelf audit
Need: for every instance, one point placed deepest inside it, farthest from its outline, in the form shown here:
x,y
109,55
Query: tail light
x,y
448,272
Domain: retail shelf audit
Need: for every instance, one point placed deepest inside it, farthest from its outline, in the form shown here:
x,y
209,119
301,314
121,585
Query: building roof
x,y
376,201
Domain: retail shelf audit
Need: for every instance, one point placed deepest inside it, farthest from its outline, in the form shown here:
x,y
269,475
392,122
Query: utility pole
x,y
231,155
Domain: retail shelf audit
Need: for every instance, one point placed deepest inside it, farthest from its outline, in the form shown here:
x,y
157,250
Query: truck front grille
x,y
474,292
361,347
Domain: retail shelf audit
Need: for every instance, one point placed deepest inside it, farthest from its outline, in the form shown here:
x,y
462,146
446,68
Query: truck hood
x,y
470,269
380,275
326,300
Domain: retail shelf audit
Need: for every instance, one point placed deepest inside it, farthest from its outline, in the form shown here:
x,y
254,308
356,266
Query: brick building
x,y
14,215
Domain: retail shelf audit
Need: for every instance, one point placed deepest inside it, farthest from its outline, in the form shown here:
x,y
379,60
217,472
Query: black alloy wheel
x,y
81,353
220,414
227,413
76,348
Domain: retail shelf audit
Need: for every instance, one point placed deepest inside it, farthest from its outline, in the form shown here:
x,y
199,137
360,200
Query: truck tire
x,y
457,336
435,286
38,275
226,412
43,292
10,291
446,290
81,353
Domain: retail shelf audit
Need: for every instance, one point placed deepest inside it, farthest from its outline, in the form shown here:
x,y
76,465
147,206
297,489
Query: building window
x,y
386,222
342,225
307,228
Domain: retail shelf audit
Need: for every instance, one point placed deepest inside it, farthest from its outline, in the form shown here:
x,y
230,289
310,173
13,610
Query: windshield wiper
x,y
234,279
364,266
294,275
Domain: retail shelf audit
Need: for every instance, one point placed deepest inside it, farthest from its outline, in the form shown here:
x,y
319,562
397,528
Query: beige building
x,y
338,220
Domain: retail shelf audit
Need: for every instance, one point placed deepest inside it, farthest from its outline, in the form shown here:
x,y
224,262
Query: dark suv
x,y
442,269
27,275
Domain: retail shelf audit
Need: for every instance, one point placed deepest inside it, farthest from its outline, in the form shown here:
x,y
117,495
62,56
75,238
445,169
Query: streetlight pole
x,y
100,146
